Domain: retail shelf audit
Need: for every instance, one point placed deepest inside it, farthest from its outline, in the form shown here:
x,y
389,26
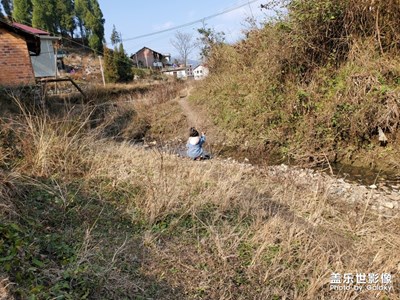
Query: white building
x,y
179,73
200,72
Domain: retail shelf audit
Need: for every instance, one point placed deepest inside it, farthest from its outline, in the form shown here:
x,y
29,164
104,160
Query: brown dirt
x,y
197,116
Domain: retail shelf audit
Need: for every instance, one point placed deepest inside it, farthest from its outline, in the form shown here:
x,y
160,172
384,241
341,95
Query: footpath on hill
x,y
195,117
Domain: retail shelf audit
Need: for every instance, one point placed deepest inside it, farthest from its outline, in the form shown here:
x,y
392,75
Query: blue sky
x,y
137,18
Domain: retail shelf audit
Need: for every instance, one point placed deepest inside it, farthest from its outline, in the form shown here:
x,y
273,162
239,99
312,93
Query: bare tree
x,y
184,45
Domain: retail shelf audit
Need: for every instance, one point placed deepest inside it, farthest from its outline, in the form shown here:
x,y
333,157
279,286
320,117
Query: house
x,y
189,71
17,46
44,64
148,58
179,72
200,72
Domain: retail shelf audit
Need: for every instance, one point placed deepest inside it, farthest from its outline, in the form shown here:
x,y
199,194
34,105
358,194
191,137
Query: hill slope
x,y
316,85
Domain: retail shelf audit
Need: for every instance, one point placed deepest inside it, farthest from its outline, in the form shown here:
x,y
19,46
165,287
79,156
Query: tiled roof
x,y
30,29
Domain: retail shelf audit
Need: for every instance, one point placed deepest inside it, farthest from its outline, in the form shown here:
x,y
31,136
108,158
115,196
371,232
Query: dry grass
x,y
144,223
4,289
229,231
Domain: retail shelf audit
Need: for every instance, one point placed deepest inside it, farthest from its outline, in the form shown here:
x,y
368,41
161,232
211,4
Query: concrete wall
x,y
15,63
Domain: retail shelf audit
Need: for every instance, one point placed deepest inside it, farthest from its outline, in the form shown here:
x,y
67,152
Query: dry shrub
x,y
130,116
157,116
323,31
164,92
378,19
52,145
311,86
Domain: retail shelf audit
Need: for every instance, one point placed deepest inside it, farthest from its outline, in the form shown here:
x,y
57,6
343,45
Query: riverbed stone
x,y
388,204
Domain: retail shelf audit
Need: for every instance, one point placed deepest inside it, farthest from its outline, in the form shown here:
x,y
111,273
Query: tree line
x,y
71,18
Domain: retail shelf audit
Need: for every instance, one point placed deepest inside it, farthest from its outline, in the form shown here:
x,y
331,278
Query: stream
x,y
383,181
365,176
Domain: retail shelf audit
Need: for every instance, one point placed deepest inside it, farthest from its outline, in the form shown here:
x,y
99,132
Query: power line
x,y
202,20
191,23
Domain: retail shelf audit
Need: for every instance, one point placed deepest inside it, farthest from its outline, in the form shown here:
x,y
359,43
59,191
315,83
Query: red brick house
x,y
16,47
148,58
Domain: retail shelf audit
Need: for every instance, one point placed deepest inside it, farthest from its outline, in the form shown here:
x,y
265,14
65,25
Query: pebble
x,y
394,197
384,200
388,204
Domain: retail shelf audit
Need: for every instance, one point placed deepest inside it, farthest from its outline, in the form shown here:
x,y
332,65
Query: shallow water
x,y
364,176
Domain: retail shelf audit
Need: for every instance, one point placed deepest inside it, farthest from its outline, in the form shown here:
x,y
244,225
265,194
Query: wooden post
x,y
102,71
56,67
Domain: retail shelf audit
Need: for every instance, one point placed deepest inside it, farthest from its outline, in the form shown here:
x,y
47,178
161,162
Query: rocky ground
x,y
382,199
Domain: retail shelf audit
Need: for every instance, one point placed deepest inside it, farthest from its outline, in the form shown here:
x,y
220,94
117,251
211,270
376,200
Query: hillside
x,y
315,86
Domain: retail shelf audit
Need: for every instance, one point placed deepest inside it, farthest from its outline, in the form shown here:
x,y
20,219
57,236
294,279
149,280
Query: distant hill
x,y
192,62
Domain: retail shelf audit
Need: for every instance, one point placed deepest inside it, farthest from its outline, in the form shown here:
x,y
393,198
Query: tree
x,y
110,69
118,66
123,63
95,25
91,22
81,7
22,11
115,37
43,15
183,44
7,7
65,17
208,39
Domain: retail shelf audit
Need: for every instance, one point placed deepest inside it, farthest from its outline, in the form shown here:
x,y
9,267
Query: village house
x,y
200,72
16,48
44,64
148,58
26,54
178,72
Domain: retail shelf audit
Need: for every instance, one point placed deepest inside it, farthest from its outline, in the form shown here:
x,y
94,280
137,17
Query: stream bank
x,y
366,188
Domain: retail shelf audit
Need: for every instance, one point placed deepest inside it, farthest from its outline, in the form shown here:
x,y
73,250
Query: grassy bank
x,y
315,85
83,217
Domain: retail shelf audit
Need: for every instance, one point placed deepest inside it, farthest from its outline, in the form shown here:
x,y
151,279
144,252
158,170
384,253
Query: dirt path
x,y
195,117
192,117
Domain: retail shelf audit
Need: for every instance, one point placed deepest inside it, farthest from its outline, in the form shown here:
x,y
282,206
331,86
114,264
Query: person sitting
x,y
195,144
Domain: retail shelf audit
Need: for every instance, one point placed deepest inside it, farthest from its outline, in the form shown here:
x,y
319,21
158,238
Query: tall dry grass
x,y
52,145
236,232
